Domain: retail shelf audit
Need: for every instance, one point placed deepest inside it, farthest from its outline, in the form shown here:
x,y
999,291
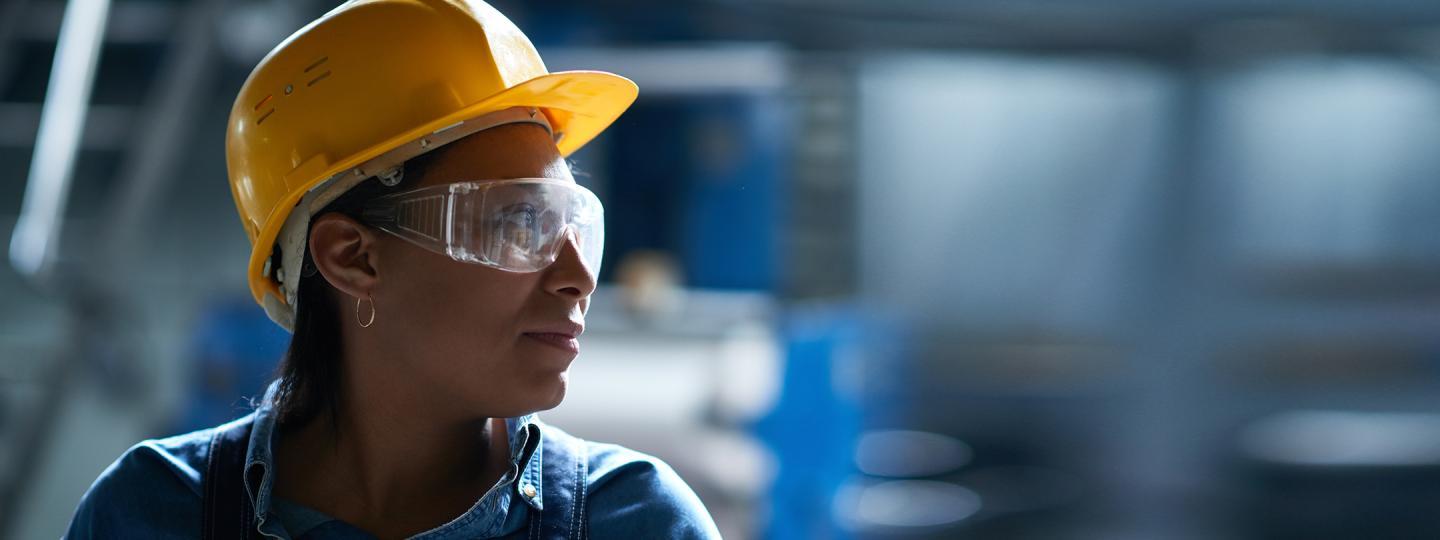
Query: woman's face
x,y
464,332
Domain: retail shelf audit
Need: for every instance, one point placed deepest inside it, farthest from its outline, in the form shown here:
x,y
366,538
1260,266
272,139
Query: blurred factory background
x,y
1122,269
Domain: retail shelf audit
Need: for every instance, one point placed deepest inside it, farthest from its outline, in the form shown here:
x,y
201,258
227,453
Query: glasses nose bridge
x,y
566,235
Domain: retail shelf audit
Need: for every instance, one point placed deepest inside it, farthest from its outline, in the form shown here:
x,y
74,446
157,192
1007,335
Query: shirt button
x,y
528,490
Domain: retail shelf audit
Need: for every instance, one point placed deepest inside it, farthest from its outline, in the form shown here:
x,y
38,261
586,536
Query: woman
x,y
399,168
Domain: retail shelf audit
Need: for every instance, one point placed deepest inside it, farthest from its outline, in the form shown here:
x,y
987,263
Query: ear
x,y
343,251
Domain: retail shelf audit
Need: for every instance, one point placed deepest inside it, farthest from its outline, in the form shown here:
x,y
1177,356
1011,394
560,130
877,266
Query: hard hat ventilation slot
x,y
316,63
263,102
317,79
262,118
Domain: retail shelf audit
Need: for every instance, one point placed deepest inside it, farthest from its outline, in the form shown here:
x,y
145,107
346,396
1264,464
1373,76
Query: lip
x,y
564,336
560,341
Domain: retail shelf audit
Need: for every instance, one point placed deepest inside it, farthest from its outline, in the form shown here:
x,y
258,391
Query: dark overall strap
x,y
228,513
565,464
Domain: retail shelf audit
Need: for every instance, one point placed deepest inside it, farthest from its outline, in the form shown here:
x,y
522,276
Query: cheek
x,y
459,331
459,311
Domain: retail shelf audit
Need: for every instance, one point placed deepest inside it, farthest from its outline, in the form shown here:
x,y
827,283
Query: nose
x,y
568,276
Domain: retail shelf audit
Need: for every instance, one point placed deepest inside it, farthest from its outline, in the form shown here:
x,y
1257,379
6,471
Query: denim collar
x,y
523,432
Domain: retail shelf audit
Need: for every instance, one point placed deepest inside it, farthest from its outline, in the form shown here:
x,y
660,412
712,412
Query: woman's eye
x,y
528,215
520,214
519,222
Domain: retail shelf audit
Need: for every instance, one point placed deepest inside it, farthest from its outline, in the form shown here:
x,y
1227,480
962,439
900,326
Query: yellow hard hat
x,y
375,82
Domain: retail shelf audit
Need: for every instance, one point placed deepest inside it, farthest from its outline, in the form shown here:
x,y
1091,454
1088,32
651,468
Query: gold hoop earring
x,y
367,323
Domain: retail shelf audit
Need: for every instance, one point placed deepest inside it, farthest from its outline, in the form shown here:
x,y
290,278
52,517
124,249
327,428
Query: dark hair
x,y
310,371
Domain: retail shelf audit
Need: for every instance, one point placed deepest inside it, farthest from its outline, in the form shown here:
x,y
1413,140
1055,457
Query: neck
x,y
389,450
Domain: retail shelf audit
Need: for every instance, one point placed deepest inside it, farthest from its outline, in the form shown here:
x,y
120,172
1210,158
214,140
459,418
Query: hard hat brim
x,y
581,104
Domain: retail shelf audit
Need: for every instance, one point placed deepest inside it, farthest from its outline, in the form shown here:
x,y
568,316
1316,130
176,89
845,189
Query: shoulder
x,y
636,495
151,490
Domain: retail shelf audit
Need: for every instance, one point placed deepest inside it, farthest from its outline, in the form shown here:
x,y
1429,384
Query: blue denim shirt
x,y
154,491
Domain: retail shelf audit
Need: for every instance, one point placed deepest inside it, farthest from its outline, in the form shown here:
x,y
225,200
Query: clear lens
x,y
516,225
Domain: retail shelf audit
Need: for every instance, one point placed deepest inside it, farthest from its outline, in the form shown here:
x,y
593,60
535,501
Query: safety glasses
x,y
514,225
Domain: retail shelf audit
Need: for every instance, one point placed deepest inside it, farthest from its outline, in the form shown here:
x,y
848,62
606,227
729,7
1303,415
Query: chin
x,y
555,390
535,396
